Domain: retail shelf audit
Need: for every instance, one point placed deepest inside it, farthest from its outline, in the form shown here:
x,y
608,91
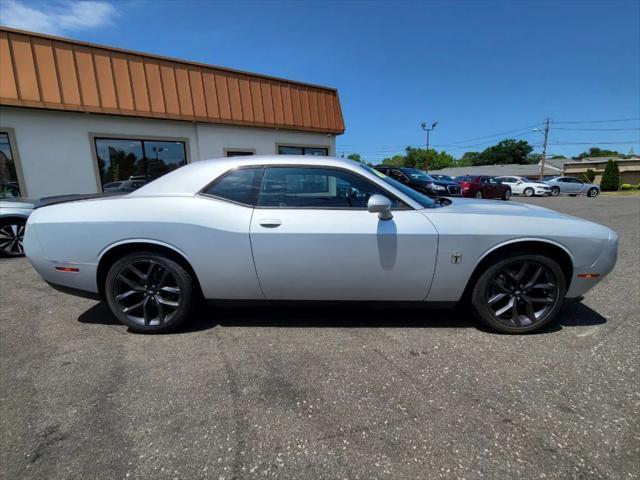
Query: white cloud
x,y
56,17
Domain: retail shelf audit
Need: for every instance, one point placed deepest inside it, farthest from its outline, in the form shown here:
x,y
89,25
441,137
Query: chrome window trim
x,y
391,195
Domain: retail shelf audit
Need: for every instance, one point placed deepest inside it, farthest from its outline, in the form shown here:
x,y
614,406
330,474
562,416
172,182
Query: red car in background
x,y
482,186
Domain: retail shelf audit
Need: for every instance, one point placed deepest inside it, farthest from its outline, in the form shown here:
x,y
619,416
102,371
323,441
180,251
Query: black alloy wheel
x,y
528,192
149,293
593,192
12,237
520,294
555,191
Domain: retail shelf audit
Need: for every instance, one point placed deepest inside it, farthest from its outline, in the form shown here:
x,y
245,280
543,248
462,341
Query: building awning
x,y
42,71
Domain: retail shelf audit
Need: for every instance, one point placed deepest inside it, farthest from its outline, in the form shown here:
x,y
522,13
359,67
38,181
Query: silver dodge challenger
x,y
289,228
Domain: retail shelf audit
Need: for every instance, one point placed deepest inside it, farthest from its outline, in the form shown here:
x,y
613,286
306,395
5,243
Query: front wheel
x,y
479,194
593,192
149,292
555,191
528,192
519,294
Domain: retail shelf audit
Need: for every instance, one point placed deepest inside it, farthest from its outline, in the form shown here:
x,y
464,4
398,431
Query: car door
x,y
313,239
488,191
512,182
572,185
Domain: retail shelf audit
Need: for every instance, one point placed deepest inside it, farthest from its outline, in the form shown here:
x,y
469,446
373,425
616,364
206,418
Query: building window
x,y
139,160
318,151
9,185
233,152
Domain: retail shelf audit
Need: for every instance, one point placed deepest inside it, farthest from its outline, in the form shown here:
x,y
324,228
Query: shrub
x,y
610,177
626,186
590,174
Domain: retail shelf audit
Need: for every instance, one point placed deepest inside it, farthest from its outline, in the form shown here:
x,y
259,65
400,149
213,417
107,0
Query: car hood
x,y
496,207
443,183
534,184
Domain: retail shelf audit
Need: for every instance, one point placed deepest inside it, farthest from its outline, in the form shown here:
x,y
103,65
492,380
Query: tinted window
x,y
414,195
8,177
238,186
123,159
572,180
285,150
315,188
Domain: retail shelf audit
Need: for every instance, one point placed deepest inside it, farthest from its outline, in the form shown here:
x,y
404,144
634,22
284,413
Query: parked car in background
x,y
14,212
572,186
123,186
277,228
421,181
483,186
524,186
444,178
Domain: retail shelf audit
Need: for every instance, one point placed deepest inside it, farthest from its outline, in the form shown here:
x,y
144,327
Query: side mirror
x,y
381,205
519,182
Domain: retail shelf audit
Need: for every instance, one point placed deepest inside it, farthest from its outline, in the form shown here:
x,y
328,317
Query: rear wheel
x,y
593,192
11,237
528,192
507,194
519,294
149,292
555,191
479,194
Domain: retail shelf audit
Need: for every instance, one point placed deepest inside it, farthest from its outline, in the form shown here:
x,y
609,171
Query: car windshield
x,y
416,174
423,200
443,177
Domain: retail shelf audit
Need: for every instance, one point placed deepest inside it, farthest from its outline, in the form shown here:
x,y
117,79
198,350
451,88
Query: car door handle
x,y
270,222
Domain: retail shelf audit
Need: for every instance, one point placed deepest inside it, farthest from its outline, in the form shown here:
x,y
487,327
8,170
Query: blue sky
x,y
478,68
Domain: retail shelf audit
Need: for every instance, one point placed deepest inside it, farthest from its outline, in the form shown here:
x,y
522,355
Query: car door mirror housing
x,y
381,205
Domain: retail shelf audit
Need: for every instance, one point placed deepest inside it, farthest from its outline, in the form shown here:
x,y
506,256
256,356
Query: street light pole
x,y
428,130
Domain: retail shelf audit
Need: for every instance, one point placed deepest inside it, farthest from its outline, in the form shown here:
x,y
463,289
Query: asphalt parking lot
x,y
324,393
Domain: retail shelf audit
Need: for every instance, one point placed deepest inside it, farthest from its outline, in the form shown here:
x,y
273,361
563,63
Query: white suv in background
x,y
524,186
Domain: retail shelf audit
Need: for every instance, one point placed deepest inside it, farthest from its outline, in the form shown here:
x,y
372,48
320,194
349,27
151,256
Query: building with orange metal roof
x,y
79,118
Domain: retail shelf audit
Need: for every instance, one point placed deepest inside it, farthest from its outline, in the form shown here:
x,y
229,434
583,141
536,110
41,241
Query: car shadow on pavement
x,y
348,316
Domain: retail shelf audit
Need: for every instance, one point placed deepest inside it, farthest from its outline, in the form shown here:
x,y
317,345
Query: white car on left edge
x,y
524,186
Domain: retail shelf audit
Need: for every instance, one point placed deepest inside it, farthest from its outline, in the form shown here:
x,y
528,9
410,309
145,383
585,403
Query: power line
x,y
599,129
601,121
598,143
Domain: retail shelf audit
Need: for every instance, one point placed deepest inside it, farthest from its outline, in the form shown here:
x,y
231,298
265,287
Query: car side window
x,y
239,186
484,180
398,175
307,187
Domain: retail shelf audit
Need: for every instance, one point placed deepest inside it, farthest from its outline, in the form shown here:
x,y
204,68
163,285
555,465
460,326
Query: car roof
x,y
193,177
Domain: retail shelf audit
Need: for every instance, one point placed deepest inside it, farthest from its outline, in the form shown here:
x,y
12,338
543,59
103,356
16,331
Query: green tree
x,y
467,159
355,157
395,161
558,157
610,177
598,152
590,174
506,152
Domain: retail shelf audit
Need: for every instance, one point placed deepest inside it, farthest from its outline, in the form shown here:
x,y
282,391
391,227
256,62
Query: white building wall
x,y
57,154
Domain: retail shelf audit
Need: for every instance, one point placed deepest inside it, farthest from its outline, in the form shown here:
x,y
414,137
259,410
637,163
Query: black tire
x,y
528,192
593,192
506,195
157,285
501,278
11,237
479,194
555,191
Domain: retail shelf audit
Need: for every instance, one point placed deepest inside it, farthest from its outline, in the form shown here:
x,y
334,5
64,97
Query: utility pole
x,y
544,148
428,130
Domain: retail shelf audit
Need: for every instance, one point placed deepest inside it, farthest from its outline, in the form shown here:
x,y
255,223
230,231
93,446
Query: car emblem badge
x,y
456,256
